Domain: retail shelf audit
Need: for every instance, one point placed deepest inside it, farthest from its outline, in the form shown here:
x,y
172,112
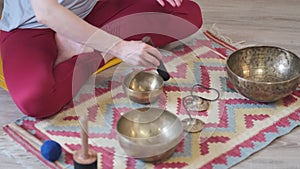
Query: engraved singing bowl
x,y
143,86
149,134
263,73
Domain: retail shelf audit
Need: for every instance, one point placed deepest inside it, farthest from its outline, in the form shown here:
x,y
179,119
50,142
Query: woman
x,y
42,40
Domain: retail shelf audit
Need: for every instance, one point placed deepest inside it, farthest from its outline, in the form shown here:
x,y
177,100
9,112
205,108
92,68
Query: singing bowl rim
x,y
260,82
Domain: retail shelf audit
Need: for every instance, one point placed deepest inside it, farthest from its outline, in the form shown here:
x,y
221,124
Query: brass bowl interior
x,y
143,86
149,134
143,81
264,73
264,64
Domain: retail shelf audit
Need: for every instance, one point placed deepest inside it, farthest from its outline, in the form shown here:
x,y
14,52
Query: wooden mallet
x,y
84,158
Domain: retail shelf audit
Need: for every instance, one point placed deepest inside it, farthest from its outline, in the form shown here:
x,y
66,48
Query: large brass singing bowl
x,y
264,73
143,86
149,134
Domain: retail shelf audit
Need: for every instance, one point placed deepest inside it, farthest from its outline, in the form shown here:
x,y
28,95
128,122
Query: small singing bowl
x,y
263,73
143,86
149,134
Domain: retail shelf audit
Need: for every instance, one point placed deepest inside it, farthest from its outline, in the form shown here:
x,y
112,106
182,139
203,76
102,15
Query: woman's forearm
x,y
64,22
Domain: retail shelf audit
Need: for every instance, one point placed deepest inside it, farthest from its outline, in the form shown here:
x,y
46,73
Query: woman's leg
x,y
135,19
39,89
29,55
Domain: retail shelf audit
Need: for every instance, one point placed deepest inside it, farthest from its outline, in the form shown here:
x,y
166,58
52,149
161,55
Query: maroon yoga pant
x,y
41,90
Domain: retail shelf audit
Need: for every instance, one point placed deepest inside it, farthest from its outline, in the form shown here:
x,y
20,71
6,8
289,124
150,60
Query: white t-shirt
x,y
19,13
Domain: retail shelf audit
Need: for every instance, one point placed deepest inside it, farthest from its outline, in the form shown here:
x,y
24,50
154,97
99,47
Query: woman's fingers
x,y
178,2
153,51
146,64
151,59
161,2
173,3
137,53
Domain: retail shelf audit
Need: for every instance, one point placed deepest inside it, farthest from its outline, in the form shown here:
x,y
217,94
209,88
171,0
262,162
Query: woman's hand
x,y
174,3
137,53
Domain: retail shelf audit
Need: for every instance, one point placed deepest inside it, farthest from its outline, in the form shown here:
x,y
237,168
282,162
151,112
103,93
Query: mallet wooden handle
x,y
84,158
84,136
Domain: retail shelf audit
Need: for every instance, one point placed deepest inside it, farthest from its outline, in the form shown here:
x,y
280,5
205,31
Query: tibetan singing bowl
x,y
143,86
149,134
264,73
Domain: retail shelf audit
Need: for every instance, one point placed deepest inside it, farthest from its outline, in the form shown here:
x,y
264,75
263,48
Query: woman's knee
x,y
190,11
39,104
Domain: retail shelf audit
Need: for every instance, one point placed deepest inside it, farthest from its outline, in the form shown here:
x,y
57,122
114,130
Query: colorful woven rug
x,y
235,127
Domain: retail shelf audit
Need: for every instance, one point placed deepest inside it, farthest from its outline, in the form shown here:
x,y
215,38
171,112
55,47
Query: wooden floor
x,y
268,22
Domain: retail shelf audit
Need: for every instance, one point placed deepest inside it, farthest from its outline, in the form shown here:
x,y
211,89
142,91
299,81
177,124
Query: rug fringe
x,y
13,150
214,30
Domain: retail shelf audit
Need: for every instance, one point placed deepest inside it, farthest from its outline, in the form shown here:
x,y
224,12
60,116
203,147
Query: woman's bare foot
x,y
68,48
